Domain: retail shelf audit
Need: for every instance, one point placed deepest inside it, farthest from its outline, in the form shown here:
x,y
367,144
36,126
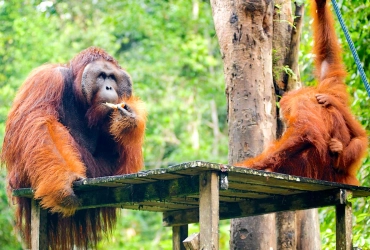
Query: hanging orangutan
x,y
322,139
67,123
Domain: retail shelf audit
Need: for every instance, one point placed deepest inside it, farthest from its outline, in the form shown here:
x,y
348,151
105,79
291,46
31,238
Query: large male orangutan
x,y
322,140
69,122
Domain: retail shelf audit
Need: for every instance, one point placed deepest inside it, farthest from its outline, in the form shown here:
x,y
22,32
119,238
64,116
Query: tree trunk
x,y
281,40
308,230
284,32
286,230
295,230
244,31
247,37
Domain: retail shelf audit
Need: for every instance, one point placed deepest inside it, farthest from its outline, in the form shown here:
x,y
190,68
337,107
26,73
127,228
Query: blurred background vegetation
x,y
170,49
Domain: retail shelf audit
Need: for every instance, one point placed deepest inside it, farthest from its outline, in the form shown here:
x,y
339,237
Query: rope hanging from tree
x,y
352,47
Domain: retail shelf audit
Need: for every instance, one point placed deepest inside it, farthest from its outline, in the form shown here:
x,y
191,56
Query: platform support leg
x,y
179,234
344,222
209,210
39,233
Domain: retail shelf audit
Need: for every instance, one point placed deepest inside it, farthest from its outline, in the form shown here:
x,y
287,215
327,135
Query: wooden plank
x,y
141,177
228,199
233,195
179,234
136,193
170,204
157,206
180,217
262,188
344,221
208,210
107,181
192,242
275,180
185,200
39,232
253,207
141,207
195,167
237,193
23,192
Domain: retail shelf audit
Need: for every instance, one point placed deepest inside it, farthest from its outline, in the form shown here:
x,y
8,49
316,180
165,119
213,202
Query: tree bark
x,y
250,43
286,230
285,44
294,82
308,230
244,31
295,230
284,26
282,36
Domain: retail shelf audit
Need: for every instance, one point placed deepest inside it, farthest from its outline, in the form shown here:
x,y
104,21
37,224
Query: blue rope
x,y
352,47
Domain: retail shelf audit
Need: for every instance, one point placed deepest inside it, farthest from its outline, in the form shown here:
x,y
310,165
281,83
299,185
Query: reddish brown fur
x,y
322,139
40,152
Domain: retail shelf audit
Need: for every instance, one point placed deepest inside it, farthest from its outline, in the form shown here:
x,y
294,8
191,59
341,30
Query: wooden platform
x,y
206,192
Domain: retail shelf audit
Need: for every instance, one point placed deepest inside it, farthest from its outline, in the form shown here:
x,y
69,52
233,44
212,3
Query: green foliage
x,y
8,239
171,51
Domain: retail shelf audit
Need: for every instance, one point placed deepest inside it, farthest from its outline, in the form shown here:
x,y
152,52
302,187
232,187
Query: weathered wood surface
x,y
208,210
175,191
179,234
251,207
344,221
192,242
39,236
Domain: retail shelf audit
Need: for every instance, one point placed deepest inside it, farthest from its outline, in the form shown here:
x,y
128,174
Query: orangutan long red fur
x,y
322,139
40,151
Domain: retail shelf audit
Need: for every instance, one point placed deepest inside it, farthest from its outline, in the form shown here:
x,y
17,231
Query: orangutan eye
x,y
102,75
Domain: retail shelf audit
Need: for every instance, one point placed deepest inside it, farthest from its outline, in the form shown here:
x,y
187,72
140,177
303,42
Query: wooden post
x,y
192,242
208,210
344,221
39,232
179,233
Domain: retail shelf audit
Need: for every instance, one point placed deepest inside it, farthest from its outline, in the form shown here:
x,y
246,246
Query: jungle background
x,y
170,49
